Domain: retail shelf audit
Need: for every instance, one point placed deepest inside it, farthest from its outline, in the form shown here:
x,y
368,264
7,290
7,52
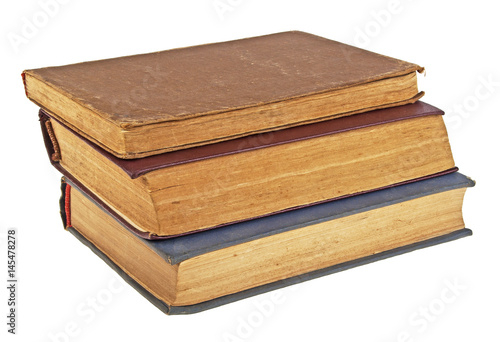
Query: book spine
x,y
49,139
65,203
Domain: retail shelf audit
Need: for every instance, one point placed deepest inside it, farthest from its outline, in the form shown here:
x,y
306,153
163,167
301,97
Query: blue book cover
x,y
176,250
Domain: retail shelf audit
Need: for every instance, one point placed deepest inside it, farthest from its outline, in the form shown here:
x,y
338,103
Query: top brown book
x,y
153,103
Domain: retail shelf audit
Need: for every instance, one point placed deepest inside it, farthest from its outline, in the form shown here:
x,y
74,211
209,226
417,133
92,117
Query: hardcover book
x,y
196,272
149,104
210,186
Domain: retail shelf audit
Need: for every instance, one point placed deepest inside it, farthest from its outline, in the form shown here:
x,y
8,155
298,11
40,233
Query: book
x,y
152,103
210,186
196,272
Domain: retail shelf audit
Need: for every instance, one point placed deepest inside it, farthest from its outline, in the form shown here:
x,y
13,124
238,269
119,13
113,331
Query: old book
x,y
195,272
208,186
148,104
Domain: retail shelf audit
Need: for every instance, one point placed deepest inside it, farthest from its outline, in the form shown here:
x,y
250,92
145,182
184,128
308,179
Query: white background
x,y
457,42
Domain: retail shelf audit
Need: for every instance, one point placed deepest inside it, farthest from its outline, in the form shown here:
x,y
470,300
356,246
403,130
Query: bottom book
x,y
196,272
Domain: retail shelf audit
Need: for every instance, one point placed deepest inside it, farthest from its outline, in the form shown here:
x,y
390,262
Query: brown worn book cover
x,y
180,87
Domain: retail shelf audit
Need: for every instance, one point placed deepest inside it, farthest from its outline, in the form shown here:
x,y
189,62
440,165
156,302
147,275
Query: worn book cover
x,y
148,104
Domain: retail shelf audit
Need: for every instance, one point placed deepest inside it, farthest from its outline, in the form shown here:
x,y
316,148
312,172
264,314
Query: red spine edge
x,y
67,202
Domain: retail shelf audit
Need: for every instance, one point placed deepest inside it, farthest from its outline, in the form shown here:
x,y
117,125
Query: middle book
x,y
209,186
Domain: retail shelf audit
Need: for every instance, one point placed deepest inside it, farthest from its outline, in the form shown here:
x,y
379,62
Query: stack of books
x,y
207,174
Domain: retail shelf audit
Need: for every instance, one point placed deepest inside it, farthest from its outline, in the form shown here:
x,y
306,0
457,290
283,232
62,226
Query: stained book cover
x,y
191,94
